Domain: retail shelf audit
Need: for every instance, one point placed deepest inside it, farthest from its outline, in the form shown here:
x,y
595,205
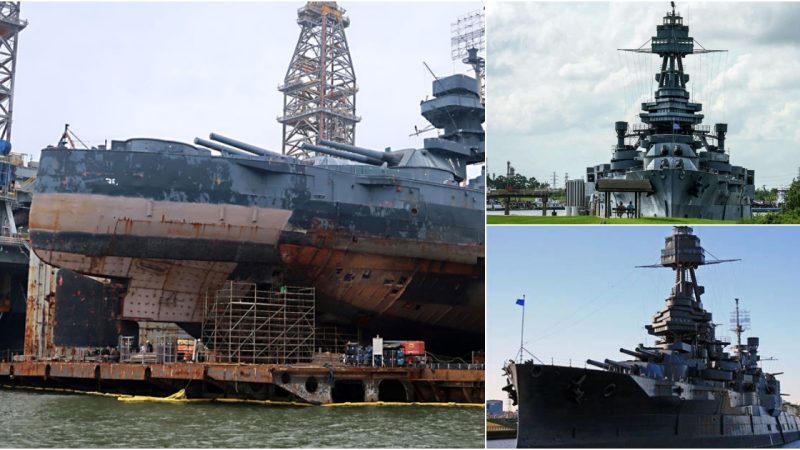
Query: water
x,y
54,420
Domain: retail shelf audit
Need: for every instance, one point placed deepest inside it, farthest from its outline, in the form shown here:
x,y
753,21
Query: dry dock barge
x,y
311,384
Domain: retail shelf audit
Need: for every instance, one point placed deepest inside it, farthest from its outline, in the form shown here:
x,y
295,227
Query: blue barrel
x,y
5,147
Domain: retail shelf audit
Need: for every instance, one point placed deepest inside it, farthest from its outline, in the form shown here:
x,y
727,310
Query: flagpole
x,y
522,329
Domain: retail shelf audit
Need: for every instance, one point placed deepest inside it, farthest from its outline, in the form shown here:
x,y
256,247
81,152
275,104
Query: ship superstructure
x,y
685,391
685,163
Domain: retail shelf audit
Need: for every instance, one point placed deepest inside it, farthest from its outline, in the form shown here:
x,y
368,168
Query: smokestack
x,y
621,128
721,129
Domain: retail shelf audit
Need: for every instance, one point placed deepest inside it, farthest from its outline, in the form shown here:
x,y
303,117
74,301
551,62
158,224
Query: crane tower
x,y
320,88
10,26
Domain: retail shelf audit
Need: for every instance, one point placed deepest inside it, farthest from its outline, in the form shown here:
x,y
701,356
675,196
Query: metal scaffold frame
x,y
334,339
244,324
320,88
10,26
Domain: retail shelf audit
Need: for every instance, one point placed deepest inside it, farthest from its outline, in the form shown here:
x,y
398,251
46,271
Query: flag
x,y
521,301
675,126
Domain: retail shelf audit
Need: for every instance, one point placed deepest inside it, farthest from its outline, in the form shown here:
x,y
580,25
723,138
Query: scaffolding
x,y
244,324
319,89
334,339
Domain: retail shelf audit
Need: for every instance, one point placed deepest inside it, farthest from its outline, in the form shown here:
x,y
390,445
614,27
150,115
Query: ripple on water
x,y
85,421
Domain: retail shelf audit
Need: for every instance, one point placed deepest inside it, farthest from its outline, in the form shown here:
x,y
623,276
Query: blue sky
x,y
585,299
179,70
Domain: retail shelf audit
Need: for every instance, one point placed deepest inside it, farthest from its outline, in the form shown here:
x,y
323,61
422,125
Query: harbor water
x,y
56,420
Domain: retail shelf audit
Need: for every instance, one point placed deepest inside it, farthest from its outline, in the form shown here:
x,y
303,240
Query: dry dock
x,y
309,384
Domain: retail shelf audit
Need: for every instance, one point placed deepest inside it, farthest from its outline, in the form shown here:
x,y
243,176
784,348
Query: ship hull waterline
x,y
575,407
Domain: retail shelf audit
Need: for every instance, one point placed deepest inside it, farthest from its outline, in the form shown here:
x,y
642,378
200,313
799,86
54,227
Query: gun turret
x,y
388,157
351,156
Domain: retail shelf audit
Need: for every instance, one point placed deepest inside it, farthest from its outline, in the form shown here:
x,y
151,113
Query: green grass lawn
x,y
591,220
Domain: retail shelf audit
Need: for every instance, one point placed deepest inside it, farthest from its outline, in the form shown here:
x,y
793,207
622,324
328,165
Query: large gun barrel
x,y
641,356
617,365
598,364
649,353
388,157
351,156
242,145
222,148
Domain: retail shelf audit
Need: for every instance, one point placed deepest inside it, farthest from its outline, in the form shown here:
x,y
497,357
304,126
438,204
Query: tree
x,y
793,197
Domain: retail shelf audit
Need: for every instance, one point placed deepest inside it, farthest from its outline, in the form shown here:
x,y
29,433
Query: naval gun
x,y
642,354
425,159
353,153
231,147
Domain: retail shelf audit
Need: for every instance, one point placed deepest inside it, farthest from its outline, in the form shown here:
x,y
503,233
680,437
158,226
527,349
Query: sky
x,y
556,82
182,70
585,299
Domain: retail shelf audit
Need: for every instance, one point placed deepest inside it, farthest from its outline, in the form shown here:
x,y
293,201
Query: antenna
x,y
468,43
740,322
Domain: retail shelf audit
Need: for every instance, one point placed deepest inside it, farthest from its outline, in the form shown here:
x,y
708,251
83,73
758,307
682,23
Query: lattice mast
x,y
740,322
468,44
319,89
10,26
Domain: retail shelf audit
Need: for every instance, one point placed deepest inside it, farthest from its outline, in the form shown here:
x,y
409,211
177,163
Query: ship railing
x,y
14,239
702,128
457,366
9,355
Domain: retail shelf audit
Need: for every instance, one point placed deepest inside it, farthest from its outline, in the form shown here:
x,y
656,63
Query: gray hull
x,y
574,407
695,194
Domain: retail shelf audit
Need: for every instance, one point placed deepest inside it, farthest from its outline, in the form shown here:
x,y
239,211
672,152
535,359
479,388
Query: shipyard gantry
x,y
320,86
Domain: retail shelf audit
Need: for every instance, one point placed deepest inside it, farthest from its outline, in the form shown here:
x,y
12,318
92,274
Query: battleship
x,y
686,391
392,241
684,166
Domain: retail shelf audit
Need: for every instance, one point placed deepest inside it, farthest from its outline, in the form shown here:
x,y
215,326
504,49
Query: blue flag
x,y
675,126
521,301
